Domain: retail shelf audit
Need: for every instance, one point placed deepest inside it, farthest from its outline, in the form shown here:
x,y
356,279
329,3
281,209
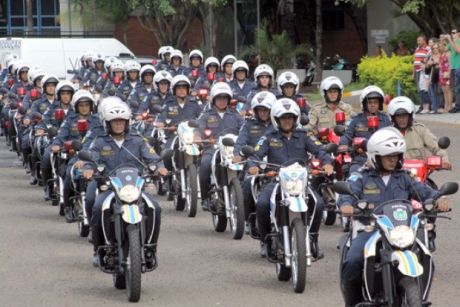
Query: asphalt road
x,y
43,262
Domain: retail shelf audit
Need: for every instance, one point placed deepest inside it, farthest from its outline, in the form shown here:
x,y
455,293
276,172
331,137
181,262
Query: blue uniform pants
x,y
353,265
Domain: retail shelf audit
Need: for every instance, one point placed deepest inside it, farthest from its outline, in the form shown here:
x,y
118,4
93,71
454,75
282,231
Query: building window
x,y
333,20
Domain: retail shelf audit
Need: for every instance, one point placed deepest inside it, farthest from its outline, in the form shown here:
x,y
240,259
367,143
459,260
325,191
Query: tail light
x,y
34,94
116,80
373,122
203,94
233,103
301,102
154,62
211,76
10,82
358,142
417,169
207,133
434,162
104,76
82,126
59,114
340,118
195,73
323,133
315,163
21,91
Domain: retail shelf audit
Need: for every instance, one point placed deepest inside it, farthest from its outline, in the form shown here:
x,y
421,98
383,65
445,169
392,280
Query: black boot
x,y
352,292
97,241
316,252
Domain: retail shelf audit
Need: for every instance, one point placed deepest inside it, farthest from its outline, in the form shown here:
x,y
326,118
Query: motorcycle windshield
x,y
397,213
124,176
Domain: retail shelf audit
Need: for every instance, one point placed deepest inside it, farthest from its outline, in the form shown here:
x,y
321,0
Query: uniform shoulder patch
x,y
355,176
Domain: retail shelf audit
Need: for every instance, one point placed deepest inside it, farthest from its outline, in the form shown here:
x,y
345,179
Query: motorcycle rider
x,y
219,119
64,91
283,144
176,67
95,69
117,75
250,133
118,146
160,95
143,89
211,66
35,76
83,104
196,64
263,75
420,141
241,85
371,105
323,115
23,79
383,180
132,81
288,87
226,67
164,53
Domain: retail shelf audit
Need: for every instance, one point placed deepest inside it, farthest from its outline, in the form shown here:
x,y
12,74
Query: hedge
x,y
386,71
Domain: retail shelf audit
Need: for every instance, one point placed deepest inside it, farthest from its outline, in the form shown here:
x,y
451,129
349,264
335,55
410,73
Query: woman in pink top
x,y
444,76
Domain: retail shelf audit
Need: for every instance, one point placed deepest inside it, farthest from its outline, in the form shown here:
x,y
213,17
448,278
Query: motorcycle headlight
x,y
129,193
187,137
293,187
228,152
402,236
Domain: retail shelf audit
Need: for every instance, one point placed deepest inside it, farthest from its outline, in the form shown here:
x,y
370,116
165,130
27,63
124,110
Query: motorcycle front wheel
x,y
192,191
133,264
299,259
236,217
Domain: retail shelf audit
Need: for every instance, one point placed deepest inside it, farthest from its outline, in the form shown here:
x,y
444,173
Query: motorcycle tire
x,y
192,194
410,292
236,217
179,202
283,273
83,230
219,221
119,281
133,263
299,259
331,215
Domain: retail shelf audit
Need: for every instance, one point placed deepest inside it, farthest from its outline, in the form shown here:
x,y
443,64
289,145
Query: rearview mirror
x,y
443,142
76,145
228,142
247,151
331,148
448,188
304,120
85,155
52,132
343,187
340,130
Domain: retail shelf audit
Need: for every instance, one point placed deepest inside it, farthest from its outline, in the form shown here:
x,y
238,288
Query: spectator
x,y
454,48
444,75
402,50
379,52
420,56
432,69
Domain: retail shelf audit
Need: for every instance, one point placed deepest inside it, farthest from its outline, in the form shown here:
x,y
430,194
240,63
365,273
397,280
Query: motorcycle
x,y
128,223
398,267
184,161
226,193
310,73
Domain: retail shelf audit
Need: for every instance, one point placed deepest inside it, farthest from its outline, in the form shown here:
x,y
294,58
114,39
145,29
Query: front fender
x,y
297,204
131,214
408,263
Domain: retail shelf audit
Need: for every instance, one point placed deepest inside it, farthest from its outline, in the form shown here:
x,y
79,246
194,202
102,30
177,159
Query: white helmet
x,y
263,69
284,106
106,103
35,73
162,75
147,68
263,99
49,79
369,92
384,142
178,54
288,77
88,55
166,49
65,85
160,51
239,65
399,105
211,61
328,83
10,57
23,67
98,57
132,65
82,95
117,66
109,61
195,53
221,88
179,80
15,66
115,108
228,59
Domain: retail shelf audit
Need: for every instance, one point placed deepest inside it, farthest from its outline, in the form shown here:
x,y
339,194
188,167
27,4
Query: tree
x,y
30,16
432,17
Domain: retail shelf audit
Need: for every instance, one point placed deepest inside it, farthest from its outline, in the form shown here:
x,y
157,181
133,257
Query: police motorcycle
x,y
15,113
128,224
184,162
398,266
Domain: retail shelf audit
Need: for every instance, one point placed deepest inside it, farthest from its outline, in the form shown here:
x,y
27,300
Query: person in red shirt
x,y
421,54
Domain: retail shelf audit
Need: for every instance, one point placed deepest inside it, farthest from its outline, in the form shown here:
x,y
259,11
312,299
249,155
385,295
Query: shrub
x,y
386,71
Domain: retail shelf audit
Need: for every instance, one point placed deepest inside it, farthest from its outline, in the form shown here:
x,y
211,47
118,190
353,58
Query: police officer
x,y
263,75
117,146
371,105
382,181
142,90
117,75
176,67
161,94
420,141
241,86
211,66
285,144
288,87
83,104
226,68
35,78
323,115
164,53
132,69
95,70
23,79
250,133
219,119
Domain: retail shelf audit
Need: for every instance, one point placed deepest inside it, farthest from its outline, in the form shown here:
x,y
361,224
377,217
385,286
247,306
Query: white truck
x,y
59,55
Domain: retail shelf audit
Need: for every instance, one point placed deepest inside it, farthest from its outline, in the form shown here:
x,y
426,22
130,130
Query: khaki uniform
x,y
421,143
321,116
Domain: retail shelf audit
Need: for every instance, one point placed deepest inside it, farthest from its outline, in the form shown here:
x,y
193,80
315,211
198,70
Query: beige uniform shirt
x,y
421,143
321,116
